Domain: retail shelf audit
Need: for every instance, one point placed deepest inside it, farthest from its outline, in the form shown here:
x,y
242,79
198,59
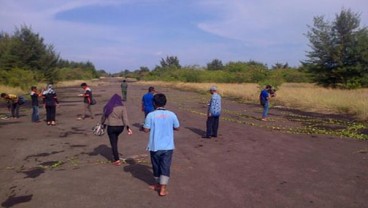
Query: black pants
x,y
114,132
212,126
14,108
50,113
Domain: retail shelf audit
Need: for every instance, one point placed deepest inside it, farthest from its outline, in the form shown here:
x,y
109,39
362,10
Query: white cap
x,y
213,88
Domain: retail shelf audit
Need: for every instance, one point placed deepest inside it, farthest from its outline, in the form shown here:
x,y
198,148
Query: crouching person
x,y
161,124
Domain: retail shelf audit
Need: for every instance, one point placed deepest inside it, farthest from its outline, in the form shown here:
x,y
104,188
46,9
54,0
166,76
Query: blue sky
x,y
126,34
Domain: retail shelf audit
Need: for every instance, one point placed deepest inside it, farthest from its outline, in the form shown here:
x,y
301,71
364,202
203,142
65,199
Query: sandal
x,y
117,163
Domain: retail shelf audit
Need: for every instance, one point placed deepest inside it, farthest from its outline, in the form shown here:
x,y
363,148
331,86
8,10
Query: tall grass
x,y
11,90
304,96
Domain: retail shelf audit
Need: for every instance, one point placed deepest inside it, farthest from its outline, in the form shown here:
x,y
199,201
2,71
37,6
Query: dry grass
x,y
11,90
76,83
306,97
317,99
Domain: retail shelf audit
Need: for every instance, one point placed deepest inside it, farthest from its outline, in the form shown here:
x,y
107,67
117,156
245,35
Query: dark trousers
x,y
14,108
50,113
114,132
212,126
124,94
161,162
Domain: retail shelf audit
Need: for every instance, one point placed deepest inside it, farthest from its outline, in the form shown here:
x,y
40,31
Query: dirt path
x,y
251,164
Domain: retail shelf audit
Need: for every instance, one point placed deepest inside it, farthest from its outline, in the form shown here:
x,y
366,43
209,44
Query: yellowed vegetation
x,y
308,97
75,83
11,90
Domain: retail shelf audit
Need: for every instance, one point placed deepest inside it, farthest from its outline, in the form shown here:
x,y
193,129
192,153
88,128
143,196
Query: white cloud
x,y
263,30
266,22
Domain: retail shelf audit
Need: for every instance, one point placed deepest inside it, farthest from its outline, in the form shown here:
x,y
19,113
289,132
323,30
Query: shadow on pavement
x,y
139,171
200,132
102,150
14,200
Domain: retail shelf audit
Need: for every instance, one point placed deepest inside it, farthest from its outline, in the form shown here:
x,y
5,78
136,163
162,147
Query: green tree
x,y
215,64
338,56
170,62
27,50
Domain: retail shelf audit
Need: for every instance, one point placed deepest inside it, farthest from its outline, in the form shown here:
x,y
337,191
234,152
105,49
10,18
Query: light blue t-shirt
x,y
161,124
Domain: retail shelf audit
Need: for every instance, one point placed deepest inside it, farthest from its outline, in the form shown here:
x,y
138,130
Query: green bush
x,y
19,78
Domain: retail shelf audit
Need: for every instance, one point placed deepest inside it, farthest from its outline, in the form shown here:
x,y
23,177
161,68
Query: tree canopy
x,y
338,55
24,56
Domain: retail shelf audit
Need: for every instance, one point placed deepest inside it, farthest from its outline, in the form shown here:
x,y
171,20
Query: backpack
x,y
21,100
93,101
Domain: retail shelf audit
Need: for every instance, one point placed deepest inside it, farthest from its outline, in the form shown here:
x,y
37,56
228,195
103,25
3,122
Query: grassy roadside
x,y
307,97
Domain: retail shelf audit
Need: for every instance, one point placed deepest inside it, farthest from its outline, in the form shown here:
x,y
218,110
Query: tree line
x,y
26,60
338,57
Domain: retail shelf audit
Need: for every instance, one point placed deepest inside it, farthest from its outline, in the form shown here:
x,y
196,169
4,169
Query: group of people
x,y
159,122
49,99
50,102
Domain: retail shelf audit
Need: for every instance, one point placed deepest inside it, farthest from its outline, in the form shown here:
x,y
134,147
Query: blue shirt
x,y
264,96
214,107
161,124
147,101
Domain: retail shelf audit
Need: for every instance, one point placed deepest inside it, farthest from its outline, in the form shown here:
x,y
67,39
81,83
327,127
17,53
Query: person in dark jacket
x,y
116,118
124,89
87,100
50,101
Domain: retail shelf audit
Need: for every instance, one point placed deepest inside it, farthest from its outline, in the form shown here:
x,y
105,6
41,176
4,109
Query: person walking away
x,y
35,104
213,114
161,124
264,99
13,104
147,101
124,89
50,101
87,100
115,117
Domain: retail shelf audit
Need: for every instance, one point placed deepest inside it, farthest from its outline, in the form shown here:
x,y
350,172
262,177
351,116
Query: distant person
x,y
124,89
213,114
264,99
161,124
87,100
116,119
35,104
50,101
147,101
13,104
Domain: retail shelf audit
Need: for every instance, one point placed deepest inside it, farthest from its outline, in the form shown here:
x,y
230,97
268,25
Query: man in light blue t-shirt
x,y
161,124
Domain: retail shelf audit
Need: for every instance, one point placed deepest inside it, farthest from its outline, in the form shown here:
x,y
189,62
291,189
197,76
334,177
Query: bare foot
x,y
163,191
155,187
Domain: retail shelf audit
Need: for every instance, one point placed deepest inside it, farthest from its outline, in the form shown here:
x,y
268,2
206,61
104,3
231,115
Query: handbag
x,y
99,129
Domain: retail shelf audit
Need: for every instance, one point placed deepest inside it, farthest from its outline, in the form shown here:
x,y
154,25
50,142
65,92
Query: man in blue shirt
x,y
213,114
161,124
264,98
147,101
